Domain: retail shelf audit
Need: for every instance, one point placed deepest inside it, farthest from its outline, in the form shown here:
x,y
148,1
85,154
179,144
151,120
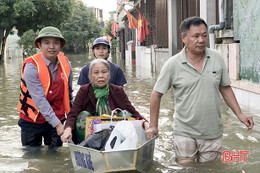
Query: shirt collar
x,y
47,61
184,58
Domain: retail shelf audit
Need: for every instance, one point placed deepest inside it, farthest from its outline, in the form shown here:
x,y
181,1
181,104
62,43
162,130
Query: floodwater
x,y
140,83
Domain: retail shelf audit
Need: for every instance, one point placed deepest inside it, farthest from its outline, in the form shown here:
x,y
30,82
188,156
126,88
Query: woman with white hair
x,y
99,97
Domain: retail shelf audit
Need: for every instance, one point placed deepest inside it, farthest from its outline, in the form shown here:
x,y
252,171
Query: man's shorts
x,y
197,149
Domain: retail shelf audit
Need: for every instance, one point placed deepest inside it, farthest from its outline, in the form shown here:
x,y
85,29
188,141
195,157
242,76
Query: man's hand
x,y
247,120
151,132
60,129
230,99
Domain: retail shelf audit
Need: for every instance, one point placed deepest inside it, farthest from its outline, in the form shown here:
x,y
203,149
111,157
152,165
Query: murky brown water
x,y
139,88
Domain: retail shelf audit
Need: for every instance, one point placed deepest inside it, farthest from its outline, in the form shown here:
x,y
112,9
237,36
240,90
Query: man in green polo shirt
x,y
198,75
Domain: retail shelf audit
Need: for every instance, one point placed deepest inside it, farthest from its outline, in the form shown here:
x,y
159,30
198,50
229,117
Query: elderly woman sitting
x,y
99,97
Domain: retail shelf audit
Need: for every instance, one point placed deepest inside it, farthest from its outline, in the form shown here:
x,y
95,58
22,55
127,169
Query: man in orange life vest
x,y
46,91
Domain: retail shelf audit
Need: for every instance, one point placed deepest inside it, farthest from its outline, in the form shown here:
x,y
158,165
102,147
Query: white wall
x,y
248,101
143,62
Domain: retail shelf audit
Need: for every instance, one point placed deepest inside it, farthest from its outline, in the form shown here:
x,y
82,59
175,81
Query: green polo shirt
x,y
196,95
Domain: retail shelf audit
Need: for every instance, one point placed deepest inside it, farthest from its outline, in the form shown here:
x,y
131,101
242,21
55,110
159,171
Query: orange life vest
x,y
26,105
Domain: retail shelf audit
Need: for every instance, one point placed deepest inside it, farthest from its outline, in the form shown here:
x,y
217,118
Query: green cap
x,y
50,31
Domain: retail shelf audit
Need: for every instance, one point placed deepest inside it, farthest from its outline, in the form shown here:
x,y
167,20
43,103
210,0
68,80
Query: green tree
x,y
80,29
31,14
27,42
107,31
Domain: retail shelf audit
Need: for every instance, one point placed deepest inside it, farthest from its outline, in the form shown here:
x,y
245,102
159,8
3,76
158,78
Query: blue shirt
x,y
117,76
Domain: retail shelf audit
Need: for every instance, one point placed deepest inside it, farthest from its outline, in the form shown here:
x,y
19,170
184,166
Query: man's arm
x,y
230,99
154,114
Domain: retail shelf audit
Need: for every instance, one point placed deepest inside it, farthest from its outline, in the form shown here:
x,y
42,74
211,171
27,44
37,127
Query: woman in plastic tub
x,y
99,97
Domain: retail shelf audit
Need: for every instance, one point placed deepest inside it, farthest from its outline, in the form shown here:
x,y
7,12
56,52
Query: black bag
x,y
97,140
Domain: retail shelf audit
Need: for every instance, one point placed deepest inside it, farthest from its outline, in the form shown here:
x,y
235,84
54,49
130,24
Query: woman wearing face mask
x,y
101,50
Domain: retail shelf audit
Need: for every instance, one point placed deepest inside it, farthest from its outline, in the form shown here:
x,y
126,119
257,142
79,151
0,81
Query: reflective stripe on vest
x,y
26,104
66,71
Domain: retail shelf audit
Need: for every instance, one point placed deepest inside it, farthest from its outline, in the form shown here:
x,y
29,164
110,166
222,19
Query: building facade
x,y
233,31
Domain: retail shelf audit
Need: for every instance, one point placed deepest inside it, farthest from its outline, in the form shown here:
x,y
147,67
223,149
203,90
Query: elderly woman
x,y
99,95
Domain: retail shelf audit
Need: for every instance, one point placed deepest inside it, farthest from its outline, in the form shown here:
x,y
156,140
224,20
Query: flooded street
x,y
139,86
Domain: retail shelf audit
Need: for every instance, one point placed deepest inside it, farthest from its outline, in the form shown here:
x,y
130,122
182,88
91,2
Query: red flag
x,y
109,38
133,23
142,28
114,28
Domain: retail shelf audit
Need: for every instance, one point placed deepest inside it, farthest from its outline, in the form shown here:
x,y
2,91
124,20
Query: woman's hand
x,y
146,125
67,135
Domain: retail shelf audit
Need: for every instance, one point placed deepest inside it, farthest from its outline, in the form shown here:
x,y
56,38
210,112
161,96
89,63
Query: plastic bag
x,y
84,114
124,136
80,126
97,140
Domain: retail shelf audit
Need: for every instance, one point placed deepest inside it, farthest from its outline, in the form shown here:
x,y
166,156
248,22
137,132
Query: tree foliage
x,y
80,29
27,42
31,14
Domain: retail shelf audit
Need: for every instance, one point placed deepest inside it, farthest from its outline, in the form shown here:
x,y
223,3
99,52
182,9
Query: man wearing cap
x,y
101,50
46,91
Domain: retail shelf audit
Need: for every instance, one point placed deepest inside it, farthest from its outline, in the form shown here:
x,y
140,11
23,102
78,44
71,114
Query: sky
x,y
106,5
